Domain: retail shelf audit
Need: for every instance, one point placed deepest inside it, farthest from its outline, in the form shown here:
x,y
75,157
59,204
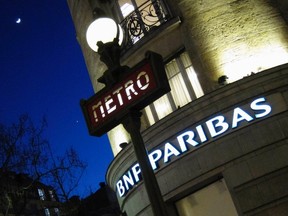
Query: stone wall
x,y
234,37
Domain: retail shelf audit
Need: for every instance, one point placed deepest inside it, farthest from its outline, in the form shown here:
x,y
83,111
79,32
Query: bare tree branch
x,y
23,149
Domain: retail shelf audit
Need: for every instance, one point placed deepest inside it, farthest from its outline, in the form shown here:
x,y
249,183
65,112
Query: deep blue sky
x,y
42,73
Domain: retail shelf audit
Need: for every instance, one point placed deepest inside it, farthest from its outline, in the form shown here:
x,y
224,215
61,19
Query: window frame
x,y
188,85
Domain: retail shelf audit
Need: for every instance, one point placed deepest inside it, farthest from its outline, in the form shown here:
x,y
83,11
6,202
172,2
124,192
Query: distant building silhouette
x,y
21,195
101,203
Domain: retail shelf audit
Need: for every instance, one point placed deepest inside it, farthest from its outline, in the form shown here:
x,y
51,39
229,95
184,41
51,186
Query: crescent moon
x,y
18,20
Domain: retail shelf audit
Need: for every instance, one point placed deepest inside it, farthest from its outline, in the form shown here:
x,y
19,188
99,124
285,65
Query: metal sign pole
x,y
132,124
136,87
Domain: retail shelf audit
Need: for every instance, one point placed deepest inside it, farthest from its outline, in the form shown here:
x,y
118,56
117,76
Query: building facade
x,y
21,195
218,140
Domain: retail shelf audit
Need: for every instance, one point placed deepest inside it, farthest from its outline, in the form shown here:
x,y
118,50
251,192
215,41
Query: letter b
x,y
217,122
121,190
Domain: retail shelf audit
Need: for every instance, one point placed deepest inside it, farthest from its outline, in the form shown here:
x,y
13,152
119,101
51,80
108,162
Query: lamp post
x,y
104,37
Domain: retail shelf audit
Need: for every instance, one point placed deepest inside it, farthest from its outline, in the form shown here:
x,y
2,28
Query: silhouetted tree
x,y
23,149
66,173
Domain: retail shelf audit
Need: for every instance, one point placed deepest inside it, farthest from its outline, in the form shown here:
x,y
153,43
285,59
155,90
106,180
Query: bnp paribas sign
x,y
196,135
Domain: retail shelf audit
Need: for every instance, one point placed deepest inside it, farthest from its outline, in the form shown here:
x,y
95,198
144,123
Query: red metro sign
x,y
140,86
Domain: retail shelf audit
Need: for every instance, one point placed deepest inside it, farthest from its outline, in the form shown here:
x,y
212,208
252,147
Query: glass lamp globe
x,y
105,30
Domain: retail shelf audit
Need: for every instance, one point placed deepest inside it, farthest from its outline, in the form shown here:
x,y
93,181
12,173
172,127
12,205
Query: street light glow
x,y
104,30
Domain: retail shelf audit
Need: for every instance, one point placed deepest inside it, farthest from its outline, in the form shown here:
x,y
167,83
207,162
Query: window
x,y
139,17
126,7
213,200
185,87
52,196
57,212
47,212
41,194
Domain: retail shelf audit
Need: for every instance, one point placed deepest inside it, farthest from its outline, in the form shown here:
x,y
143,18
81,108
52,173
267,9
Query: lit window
x,y
212,200
184,85
57,212
126,9
192,76
47,212
41,194
179,90
52,196
149,115
140,17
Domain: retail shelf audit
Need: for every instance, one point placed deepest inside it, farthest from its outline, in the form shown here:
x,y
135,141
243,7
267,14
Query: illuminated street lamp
x,y
104,36
95,35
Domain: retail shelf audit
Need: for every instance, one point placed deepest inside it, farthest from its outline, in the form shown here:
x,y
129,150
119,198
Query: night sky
x,y
43,73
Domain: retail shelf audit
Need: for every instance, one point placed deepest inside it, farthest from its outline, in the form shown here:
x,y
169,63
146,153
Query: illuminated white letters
x,y
121,190
217,125
169,150
154,157
189,135
136,172
201,133
240,115
129,88
191,138
108,102
128,180
260,107
121,96
139,84
95,108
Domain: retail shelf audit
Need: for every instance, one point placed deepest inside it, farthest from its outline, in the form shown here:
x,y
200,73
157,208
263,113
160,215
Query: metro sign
x,y
140,86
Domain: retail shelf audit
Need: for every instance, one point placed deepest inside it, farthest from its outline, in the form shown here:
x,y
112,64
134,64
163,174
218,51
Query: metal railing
x,y
142,21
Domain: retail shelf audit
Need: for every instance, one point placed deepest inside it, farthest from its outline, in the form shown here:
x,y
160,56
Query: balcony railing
x,y
142,21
